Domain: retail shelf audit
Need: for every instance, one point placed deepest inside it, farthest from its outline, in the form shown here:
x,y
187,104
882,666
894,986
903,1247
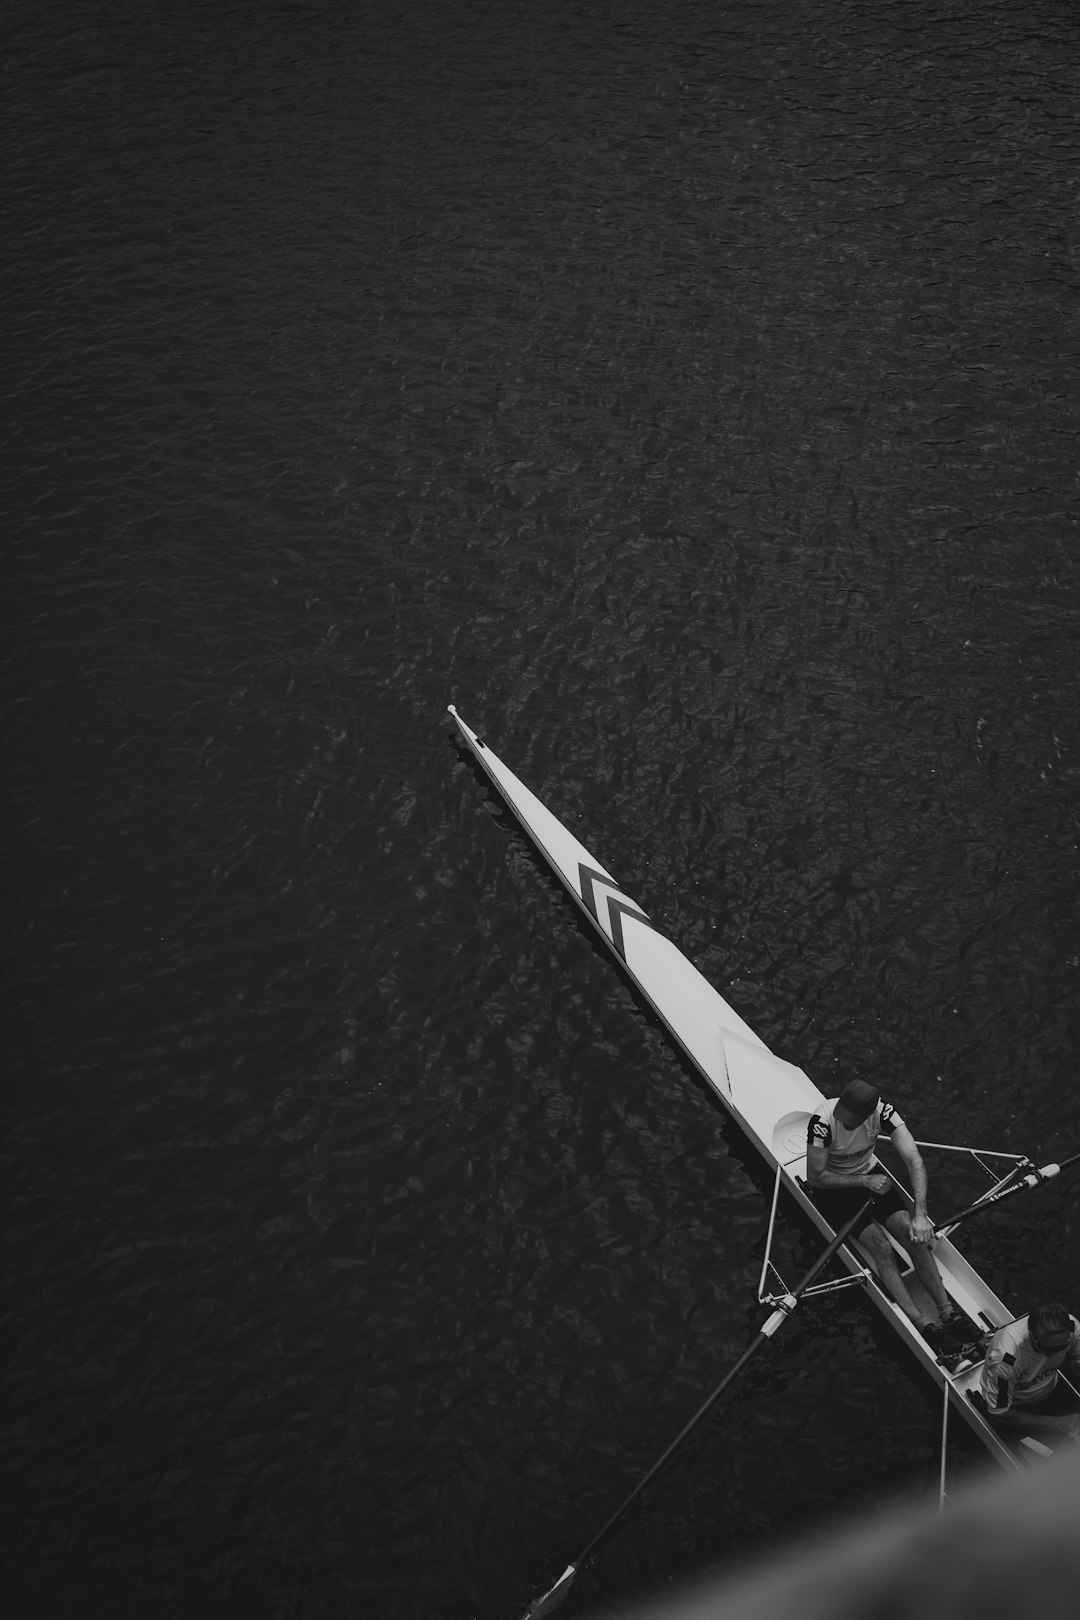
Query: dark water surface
x,y
689,392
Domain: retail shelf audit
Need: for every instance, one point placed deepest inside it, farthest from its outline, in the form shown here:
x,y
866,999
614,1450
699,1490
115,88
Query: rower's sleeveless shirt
x,y
851,1151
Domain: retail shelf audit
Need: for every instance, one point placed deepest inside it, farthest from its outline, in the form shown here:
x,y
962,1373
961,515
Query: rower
x,y
1022,1381
841,1168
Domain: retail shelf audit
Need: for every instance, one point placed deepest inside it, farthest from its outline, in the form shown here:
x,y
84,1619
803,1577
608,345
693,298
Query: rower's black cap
x,y
860,1097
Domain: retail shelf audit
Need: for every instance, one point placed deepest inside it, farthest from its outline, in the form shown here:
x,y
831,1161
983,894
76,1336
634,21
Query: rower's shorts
x,y
839,1204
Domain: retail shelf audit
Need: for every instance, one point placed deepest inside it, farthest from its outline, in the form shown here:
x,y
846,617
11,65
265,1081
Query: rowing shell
x,y
769,1098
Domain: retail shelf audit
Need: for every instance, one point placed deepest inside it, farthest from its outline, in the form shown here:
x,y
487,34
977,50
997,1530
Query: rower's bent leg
x,y
883,1255
922,1258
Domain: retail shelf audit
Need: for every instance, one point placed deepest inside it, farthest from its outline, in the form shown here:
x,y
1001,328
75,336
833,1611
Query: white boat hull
x,y
770,1098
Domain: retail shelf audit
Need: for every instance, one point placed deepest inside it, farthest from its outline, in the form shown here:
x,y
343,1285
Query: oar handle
x,y
1034,1178
764,1333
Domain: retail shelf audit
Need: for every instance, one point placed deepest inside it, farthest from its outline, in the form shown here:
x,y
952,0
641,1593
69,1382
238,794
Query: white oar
x,y
1034,1178
555,1594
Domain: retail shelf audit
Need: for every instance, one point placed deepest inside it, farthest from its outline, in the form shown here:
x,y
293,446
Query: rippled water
x,y
689,393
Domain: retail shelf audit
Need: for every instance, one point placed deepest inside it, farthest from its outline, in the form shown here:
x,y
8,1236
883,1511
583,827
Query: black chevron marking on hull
x,y
616,908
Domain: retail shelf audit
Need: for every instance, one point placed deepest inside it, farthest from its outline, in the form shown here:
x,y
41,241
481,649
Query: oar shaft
x,y
823,1259
764,1333
684,1433
1034,1178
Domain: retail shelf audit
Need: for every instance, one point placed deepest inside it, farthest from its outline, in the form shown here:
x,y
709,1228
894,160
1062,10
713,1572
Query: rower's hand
x,y
876,1183
922,1230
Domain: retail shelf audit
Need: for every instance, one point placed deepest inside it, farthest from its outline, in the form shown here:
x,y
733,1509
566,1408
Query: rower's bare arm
x,y
817,1159
904,1143
818,1173
922,1227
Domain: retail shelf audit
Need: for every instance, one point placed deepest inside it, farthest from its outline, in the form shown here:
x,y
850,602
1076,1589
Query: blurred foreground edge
x,y
1002,1550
